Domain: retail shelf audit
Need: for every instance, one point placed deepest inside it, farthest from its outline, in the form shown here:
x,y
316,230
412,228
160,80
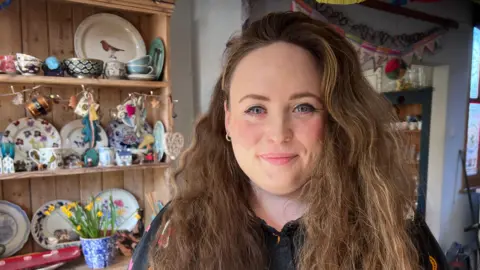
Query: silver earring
x,y
228,138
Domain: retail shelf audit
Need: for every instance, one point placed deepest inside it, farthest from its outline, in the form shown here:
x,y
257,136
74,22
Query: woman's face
x,y
276,118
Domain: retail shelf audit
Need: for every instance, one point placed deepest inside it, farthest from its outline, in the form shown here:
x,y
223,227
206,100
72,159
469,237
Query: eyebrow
x,y
293,97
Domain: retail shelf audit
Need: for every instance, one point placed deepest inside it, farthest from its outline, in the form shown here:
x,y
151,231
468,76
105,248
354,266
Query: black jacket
x,y
282,245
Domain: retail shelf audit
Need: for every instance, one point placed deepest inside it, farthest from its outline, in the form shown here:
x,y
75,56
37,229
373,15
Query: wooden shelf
x,y
121,263
66,172
143,6
45,80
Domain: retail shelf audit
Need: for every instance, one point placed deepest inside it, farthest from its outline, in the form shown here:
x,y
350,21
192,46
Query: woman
x,y
292,167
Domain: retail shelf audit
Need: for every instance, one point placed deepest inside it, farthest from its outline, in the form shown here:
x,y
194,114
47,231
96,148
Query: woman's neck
x,y
276,210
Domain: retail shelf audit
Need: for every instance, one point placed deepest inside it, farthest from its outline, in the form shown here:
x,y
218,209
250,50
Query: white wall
x,y
214,22
447,210
181,34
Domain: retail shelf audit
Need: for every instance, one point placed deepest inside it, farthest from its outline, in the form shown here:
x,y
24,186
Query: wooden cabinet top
x,y
143,6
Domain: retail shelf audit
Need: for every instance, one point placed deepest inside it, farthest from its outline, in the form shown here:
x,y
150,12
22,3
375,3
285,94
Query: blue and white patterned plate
x,y
123,137
14,228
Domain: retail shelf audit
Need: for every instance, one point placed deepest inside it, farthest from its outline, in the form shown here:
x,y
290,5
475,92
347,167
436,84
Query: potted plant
x,y
96,224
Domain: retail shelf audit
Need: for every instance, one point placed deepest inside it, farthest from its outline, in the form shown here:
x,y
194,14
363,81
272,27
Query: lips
x,y
278,159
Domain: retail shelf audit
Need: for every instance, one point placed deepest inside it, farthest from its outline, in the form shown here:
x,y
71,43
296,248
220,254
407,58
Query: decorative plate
x,y
122,137
157,52
159,135
39,259
14,228
100,34
72,137
126,205
51,231
29,133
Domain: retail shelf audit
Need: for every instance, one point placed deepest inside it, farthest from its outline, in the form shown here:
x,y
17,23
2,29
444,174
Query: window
x,y
473,127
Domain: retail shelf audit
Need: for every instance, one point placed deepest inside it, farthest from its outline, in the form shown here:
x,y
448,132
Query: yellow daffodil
x,y
69,214
64,209
47,213
89,207
79,228
73,204
137,216
99,214
51,208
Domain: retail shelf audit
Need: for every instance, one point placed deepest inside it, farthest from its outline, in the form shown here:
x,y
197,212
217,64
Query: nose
x,y
279,129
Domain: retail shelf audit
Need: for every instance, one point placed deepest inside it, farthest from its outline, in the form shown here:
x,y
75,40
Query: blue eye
x,y
255,110
304,108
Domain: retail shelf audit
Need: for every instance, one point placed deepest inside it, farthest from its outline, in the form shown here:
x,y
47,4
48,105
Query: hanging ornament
x,y
395,69
72,103
18,99
155,103
130,109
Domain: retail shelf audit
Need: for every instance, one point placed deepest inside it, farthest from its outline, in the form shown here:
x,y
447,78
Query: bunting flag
x,y
377,54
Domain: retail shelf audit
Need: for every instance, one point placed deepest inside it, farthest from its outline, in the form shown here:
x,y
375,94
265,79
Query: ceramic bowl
x,y
83,67
21,57
28,67
139,69
142,60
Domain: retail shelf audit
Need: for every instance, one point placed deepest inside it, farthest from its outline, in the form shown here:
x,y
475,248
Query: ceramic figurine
x,y
8,165
53,67
91,129
123,158
91,158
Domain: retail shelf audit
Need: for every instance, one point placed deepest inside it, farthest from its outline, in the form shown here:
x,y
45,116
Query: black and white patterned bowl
x,y
84,68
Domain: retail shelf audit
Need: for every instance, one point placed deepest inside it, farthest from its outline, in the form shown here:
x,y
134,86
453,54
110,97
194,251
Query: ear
x,y
227,116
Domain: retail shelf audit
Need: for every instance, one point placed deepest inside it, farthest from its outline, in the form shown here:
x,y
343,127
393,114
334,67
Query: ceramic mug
x,y
106,156
140,69
142,60
83,106
114,70
39,105
7,64
49,157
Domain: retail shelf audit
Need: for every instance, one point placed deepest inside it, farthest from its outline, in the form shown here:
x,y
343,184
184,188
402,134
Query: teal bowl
x,y
139,69
141,61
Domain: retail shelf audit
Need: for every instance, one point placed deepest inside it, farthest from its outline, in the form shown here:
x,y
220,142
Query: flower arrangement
x,y
94,219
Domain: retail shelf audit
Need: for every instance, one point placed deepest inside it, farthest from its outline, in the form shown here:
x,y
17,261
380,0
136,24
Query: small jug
x,y
114,69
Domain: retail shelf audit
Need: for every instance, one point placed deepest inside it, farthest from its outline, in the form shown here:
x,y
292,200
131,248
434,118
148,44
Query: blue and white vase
x,y
99,252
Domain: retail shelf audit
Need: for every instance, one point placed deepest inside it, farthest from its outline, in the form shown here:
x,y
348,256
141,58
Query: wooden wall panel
x,y
42,28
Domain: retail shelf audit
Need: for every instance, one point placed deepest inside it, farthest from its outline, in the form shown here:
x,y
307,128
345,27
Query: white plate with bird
x,y
104,35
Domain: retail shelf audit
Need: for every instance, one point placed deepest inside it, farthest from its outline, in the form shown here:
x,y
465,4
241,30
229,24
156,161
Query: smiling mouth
x,y
278,159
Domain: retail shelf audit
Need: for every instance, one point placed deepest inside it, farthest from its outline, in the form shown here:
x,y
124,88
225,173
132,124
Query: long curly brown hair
x,y
358,193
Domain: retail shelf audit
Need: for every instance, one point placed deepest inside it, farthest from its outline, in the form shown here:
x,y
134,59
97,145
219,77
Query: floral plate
x,y
28,133
123,137
14,228
53,231
72,137
126,205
